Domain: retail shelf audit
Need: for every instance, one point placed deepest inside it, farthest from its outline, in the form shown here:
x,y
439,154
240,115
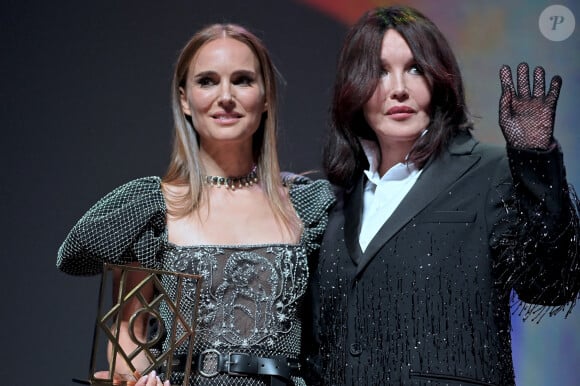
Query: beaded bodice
x,y
249,295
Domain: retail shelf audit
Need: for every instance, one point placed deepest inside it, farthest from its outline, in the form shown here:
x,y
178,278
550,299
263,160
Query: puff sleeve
x,y
126,225
312,200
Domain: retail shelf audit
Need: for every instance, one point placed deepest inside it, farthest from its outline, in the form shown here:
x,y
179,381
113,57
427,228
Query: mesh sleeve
x,y
126,225
312,200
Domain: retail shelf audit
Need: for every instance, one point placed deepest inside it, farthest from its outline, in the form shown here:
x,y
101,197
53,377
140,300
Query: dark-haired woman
x,y
432,229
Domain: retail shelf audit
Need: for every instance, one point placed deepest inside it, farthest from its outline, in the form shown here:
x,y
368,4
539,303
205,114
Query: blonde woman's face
x,y
224,93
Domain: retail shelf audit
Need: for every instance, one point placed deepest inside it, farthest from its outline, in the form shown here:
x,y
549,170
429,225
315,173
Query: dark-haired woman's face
x,y
398,110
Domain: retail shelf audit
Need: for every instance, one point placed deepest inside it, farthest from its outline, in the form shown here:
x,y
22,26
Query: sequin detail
x,y
432,305
251,294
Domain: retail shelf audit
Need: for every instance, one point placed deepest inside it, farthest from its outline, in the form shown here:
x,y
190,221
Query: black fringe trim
x,y
542,263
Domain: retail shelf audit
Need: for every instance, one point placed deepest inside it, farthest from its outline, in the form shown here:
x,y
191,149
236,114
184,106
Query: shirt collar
x,y
399,171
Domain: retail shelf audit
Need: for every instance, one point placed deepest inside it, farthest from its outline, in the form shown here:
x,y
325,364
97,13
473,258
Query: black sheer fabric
x,y
251,294
519,109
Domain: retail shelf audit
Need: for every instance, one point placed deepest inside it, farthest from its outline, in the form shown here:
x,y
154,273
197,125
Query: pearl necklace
x,y
233,182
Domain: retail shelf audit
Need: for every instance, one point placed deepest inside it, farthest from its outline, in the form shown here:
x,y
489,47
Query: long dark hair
x,y
358,74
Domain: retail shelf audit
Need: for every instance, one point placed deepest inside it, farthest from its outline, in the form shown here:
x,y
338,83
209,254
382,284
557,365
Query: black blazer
x,y
428,302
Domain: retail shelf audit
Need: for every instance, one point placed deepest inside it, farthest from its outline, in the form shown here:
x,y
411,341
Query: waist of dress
x,y
211,362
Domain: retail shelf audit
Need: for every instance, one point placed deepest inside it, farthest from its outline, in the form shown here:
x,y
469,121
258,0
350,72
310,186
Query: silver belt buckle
x,y
208,365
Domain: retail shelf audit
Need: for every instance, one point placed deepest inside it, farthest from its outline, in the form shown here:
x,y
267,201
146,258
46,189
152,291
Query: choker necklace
x,y
233,183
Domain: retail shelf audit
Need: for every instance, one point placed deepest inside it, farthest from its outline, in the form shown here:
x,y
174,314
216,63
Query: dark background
x,y
84,107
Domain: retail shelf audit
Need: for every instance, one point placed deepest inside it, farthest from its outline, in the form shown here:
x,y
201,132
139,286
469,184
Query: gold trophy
x,y
170,317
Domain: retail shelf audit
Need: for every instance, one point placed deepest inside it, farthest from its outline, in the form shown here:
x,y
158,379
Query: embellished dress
x,y
250,296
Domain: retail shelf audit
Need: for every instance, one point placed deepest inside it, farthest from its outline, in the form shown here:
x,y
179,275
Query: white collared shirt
x,y
382,195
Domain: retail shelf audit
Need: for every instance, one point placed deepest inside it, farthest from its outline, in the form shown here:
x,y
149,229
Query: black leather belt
x,y
211,362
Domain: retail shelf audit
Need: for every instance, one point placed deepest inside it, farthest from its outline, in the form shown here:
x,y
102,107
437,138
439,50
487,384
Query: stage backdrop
x,y
85,107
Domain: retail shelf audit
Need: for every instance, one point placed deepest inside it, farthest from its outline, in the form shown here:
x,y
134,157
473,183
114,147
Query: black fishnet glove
x,y
527,120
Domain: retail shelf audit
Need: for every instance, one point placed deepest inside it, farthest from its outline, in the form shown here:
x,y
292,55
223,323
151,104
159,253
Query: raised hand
x,y
526,117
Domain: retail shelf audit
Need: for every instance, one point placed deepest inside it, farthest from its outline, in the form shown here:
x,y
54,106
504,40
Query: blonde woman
x,y
223,211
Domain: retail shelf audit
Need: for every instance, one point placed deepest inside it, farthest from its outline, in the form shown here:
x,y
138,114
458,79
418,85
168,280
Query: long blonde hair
x,y
185,168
